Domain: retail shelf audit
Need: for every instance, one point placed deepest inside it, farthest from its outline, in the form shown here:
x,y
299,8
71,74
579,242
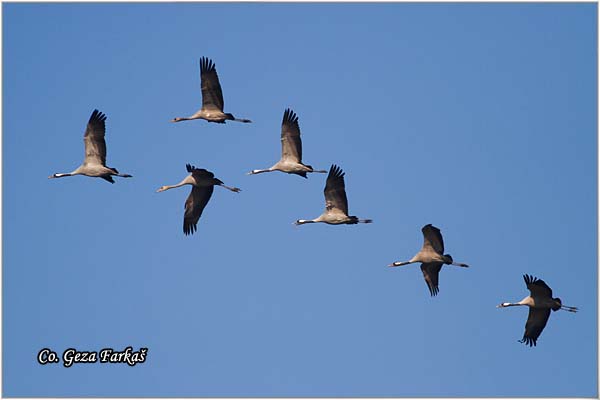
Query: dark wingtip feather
x,y
206,64
528,341
189,229
335,171
529,279
97,116
289,116
189,167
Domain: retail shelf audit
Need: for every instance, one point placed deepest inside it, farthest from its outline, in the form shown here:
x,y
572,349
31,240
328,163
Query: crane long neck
x,y
62,175
167,187
175,186
177,119
416,258
525,302
400,263
260,171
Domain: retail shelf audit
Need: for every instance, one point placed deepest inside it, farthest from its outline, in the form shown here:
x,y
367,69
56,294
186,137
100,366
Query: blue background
x,y
478,118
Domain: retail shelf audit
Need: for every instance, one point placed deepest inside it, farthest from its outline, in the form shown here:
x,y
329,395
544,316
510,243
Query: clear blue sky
x,y
477,118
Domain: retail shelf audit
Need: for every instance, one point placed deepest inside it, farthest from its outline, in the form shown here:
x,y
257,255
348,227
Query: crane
x,y
291,149
336,203
540,302
94,163
212,97
432,258
203,183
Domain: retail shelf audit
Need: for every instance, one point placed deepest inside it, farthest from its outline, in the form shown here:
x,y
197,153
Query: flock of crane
x,y
431,256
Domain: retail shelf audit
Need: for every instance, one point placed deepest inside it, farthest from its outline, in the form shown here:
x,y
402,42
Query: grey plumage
x,y
203,183
212,97
540,302
336,203
432,258
291,149
94,162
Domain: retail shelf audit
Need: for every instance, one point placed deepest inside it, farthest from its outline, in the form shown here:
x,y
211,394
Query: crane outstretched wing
x,y
194,205
537,287
93,139
291,144
432,237
212,96
200,174
335,191
431,272
536,321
